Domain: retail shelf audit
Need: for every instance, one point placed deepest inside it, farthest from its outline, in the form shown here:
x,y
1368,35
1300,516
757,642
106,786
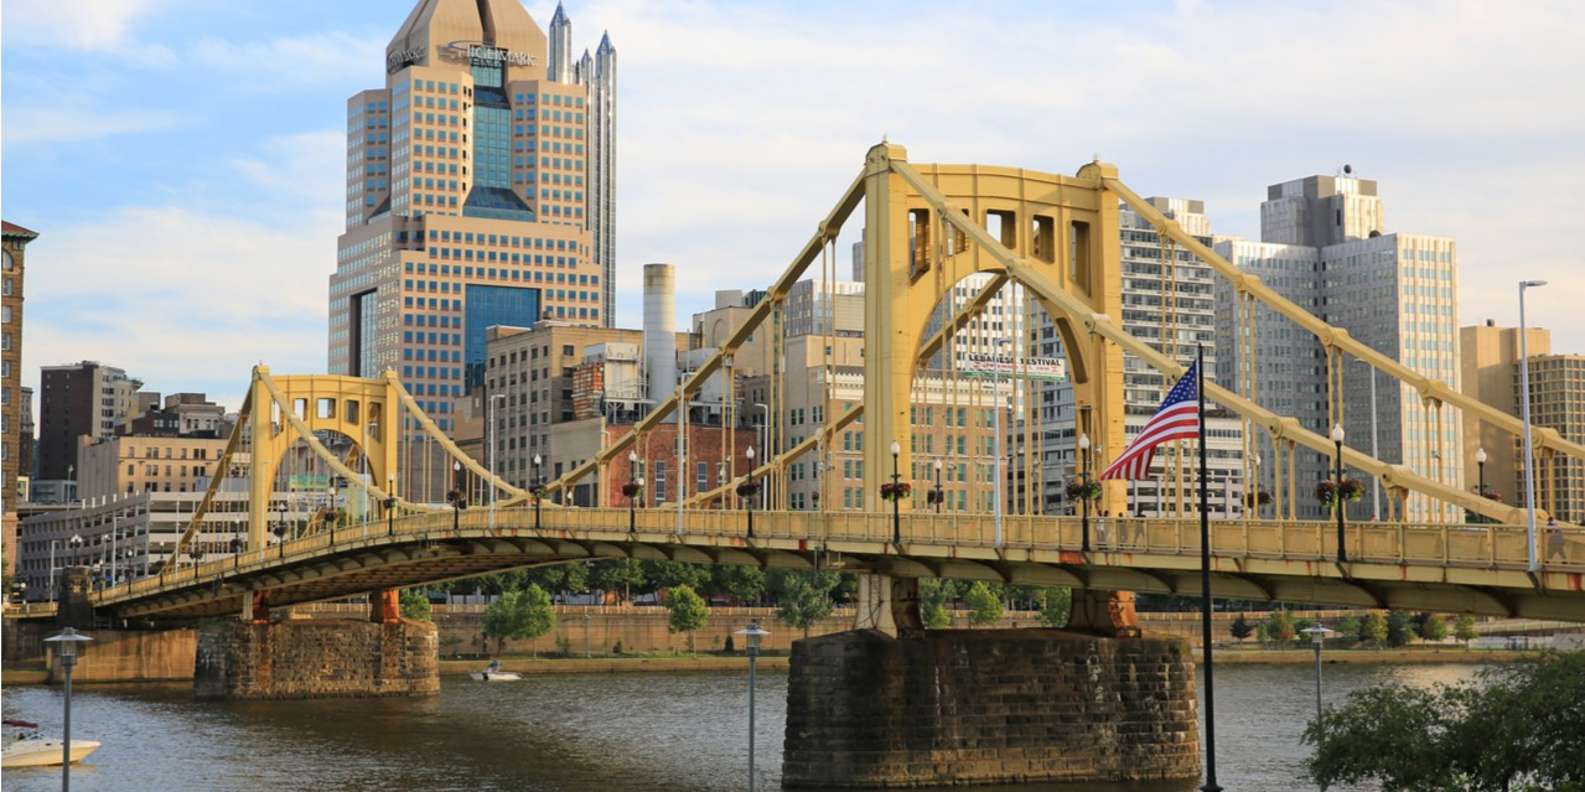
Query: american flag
x,y
1178,418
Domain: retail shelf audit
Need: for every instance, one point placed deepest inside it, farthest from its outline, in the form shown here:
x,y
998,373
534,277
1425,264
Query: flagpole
x,y
1205,591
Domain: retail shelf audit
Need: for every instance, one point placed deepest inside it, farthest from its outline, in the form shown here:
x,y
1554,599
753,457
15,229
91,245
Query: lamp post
x,y
1255,493
937,492
631,489
1524,404
280,539
1317,637
236,553
458,502
752,635
1337,493
539,489
66,647
1084,479
1480,466
748,502
897,498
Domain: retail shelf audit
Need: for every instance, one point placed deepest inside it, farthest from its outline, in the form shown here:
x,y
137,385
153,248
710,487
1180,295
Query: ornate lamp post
x,y
1337,439
631,489
236,552
1084,478
752,635
748,489
935,494
538,489
897,496
280,538
1480,465
66,647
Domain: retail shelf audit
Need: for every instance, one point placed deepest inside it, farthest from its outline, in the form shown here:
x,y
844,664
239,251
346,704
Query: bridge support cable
x,y
1327,334
770,465
222,469
1100,324
430,430
826,231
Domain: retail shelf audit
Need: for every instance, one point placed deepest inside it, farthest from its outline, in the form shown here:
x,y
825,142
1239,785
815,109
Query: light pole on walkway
x,y
1529,455
1317,637
66,647
752,635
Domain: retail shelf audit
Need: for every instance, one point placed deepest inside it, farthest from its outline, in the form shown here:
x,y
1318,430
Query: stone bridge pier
x,y
1097,702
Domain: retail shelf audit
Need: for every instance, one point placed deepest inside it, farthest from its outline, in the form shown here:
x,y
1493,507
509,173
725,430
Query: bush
x,y
1056,606
1240,628
1348,630
1280,626
936,616
415,605
1374,628
1464,629
1433,628
1399,630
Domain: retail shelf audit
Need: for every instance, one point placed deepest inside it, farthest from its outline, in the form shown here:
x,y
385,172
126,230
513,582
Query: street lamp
x,y
539,489
236,552
1317,637
390,506
897,497
752,635
1255,494
748,502
631,489
1337,494
936,493
66,648
1084,496
455,497
1480,465
1524,403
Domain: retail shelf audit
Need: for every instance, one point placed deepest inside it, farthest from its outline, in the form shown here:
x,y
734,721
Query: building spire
x,y
605,42
560,39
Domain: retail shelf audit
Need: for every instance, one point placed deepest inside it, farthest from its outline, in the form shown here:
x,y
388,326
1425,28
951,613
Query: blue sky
x,y
183,159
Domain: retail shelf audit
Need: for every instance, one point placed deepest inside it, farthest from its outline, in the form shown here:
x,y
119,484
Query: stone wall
x,y
315,658
988,706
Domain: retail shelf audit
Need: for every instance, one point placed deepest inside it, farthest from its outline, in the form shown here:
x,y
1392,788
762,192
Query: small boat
x,y
493,673
29,749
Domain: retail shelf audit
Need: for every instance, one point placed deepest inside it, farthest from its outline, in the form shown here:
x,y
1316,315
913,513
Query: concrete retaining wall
x,y
988,706
131,656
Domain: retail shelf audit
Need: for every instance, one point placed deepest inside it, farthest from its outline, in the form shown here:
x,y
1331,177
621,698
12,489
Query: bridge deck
x,y
1448,567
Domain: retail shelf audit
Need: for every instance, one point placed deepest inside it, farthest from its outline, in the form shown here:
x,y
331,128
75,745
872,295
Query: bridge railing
x,y
1432,544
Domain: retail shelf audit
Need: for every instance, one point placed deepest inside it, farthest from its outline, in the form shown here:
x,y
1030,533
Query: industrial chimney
x,y
660,339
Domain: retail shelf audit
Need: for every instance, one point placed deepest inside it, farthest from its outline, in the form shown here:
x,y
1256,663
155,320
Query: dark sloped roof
x,y
12,229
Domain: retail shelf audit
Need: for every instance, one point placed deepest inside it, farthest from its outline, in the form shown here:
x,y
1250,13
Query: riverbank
x,y
615,665
1403,656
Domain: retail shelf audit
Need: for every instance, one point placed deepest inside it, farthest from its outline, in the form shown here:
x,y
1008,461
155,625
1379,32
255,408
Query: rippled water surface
x,y
573,732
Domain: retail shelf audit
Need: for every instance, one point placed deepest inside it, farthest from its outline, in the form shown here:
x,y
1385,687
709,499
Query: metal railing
x,y
1488,546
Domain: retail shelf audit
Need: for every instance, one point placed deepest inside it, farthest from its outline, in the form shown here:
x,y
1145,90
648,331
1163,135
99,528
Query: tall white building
x,y
596,72
1323,246
1168,302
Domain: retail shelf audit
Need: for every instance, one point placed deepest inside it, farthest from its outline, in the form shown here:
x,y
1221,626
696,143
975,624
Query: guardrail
x,y
1491,546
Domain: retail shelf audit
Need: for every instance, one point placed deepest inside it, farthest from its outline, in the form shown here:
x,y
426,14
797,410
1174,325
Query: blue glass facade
x,y
492,305
492,194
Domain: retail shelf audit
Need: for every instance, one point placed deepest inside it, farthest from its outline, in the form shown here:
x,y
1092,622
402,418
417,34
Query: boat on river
x,y
493,673
26,748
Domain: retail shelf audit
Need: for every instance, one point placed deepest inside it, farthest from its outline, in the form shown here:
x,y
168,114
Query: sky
x,y
183,160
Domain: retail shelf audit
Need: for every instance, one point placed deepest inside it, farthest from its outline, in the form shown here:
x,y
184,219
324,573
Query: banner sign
x,y
987,364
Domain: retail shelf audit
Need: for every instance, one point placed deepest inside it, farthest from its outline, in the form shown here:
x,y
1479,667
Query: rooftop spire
x,y
560,15
605,42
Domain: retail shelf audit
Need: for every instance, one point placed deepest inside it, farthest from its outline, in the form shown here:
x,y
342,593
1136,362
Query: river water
x,y
643,731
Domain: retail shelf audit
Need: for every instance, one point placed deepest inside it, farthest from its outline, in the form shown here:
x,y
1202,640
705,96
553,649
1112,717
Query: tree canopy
x,y
519,615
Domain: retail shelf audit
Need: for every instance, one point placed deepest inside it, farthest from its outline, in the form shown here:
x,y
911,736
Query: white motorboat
x,y
493,673
28,749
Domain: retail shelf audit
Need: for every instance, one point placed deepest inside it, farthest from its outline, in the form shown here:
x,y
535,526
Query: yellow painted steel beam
x,y
215,481
1428,388
1032,275
778,292
802,447
429,427
971,310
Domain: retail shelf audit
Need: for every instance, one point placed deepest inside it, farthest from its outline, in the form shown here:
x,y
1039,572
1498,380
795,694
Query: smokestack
x,y
660,322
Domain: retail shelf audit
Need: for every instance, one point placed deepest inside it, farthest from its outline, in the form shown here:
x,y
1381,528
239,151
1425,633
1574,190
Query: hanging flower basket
x,y
1080,490
538,491
896,492
1257,498
1327,491
748,489
933,497
631,489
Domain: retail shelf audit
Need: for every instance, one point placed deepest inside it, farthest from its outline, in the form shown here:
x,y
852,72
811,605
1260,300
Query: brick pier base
x,y
297,659
988,706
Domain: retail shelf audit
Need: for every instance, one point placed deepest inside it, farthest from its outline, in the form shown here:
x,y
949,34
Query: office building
x,y
1557,401
466,202
79,404
1324,246
14,240
1489,371
597,73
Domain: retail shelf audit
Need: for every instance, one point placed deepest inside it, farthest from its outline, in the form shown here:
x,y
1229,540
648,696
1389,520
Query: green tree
x,y
1374,628
1280,626
1240,628
415,605
621,576
1518,727
1348,630
939,592
671,574
1056,606
803,597
984,606
1434,628
1464,629
519,615
559,579
1399,629
936,616
742,583
685,612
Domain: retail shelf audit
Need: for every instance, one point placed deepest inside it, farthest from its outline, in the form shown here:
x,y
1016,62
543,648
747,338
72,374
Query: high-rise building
x,y
467,202
13,243
1168,303
597,73
78,404
1489,371
1557,400
1323,246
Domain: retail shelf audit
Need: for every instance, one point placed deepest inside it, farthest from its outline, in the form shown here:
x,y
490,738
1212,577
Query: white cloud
x,y
103,26
63,122
313,58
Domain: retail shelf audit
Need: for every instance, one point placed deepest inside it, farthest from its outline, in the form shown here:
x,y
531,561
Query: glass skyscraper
x,y
467,202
